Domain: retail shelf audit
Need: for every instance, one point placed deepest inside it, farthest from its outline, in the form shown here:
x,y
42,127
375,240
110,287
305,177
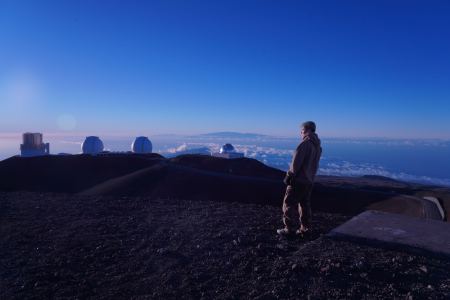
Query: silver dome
x,y
92,145
142,145
227,148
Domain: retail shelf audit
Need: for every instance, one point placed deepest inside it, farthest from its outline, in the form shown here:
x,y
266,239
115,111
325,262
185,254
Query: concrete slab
x,y
431,209
398,232
410,206
438,205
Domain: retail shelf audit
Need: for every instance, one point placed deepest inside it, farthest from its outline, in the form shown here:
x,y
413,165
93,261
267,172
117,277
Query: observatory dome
x,y
142,145
227,148
92,145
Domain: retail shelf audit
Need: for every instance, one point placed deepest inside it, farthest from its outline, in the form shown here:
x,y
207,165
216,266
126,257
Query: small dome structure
x,y
142,145
227,148
92,145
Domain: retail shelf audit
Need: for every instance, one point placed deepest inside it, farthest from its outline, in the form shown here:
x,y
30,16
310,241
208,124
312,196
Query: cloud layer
x,y
281,158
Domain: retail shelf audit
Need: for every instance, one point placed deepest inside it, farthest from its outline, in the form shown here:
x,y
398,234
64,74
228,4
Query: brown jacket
x,y
305,162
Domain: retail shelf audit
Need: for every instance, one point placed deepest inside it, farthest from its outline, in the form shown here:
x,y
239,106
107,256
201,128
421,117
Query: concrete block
x,y
398,232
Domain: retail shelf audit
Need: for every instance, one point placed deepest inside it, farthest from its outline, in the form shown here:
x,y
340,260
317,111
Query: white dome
x,y
142,145
92,145
227,148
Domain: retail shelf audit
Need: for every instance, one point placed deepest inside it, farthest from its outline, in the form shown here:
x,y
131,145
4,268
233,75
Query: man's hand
x,y
287,179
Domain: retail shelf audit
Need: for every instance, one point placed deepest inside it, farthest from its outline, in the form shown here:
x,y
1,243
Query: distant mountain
x,y
233,135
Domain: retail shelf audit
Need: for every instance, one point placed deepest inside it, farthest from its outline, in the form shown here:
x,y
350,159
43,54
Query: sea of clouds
x,y
280,158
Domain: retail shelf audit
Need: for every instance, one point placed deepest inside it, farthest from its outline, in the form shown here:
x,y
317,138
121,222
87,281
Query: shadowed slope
x,y
237,166
69,174
171,180
168,180
199,177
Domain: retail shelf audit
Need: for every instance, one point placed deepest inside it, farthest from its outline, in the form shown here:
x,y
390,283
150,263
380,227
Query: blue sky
x,y
358,68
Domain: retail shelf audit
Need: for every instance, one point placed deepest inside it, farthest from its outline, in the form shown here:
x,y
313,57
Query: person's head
x,y
307,128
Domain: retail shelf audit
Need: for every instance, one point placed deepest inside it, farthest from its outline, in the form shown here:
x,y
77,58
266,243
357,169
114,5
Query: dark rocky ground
x,y
61,246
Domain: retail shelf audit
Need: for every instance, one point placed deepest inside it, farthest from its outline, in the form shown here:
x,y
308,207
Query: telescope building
x,y
32,145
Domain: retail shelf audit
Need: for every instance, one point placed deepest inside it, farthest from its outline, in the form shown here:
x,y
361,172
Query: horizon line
x,y
123,135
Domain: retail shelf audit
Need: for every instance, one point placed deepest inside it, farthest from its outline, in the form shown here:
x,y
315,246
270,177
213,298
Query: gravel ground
x,y
59,246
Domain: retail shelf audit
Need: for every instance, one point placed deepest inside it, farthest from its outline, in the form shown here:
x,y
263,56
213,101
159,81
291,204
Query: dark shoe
x,y
302,231
285,232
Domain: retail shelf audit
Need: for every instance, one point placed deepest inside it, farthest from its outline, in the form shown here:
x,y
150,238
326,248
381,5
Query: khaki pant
x,y
297,206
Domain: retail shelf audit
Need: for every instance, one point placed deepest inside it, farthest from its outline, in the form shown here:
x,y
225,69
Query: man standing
x,y
299,180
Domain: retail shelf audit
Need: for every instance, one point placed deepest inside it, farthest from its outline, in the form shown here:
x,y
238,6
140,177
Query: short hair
x,y
309,125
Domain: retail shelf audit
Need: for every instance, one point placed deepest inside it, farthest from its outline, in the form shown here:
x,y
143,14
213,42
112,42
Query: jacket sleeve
x,y
299,157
